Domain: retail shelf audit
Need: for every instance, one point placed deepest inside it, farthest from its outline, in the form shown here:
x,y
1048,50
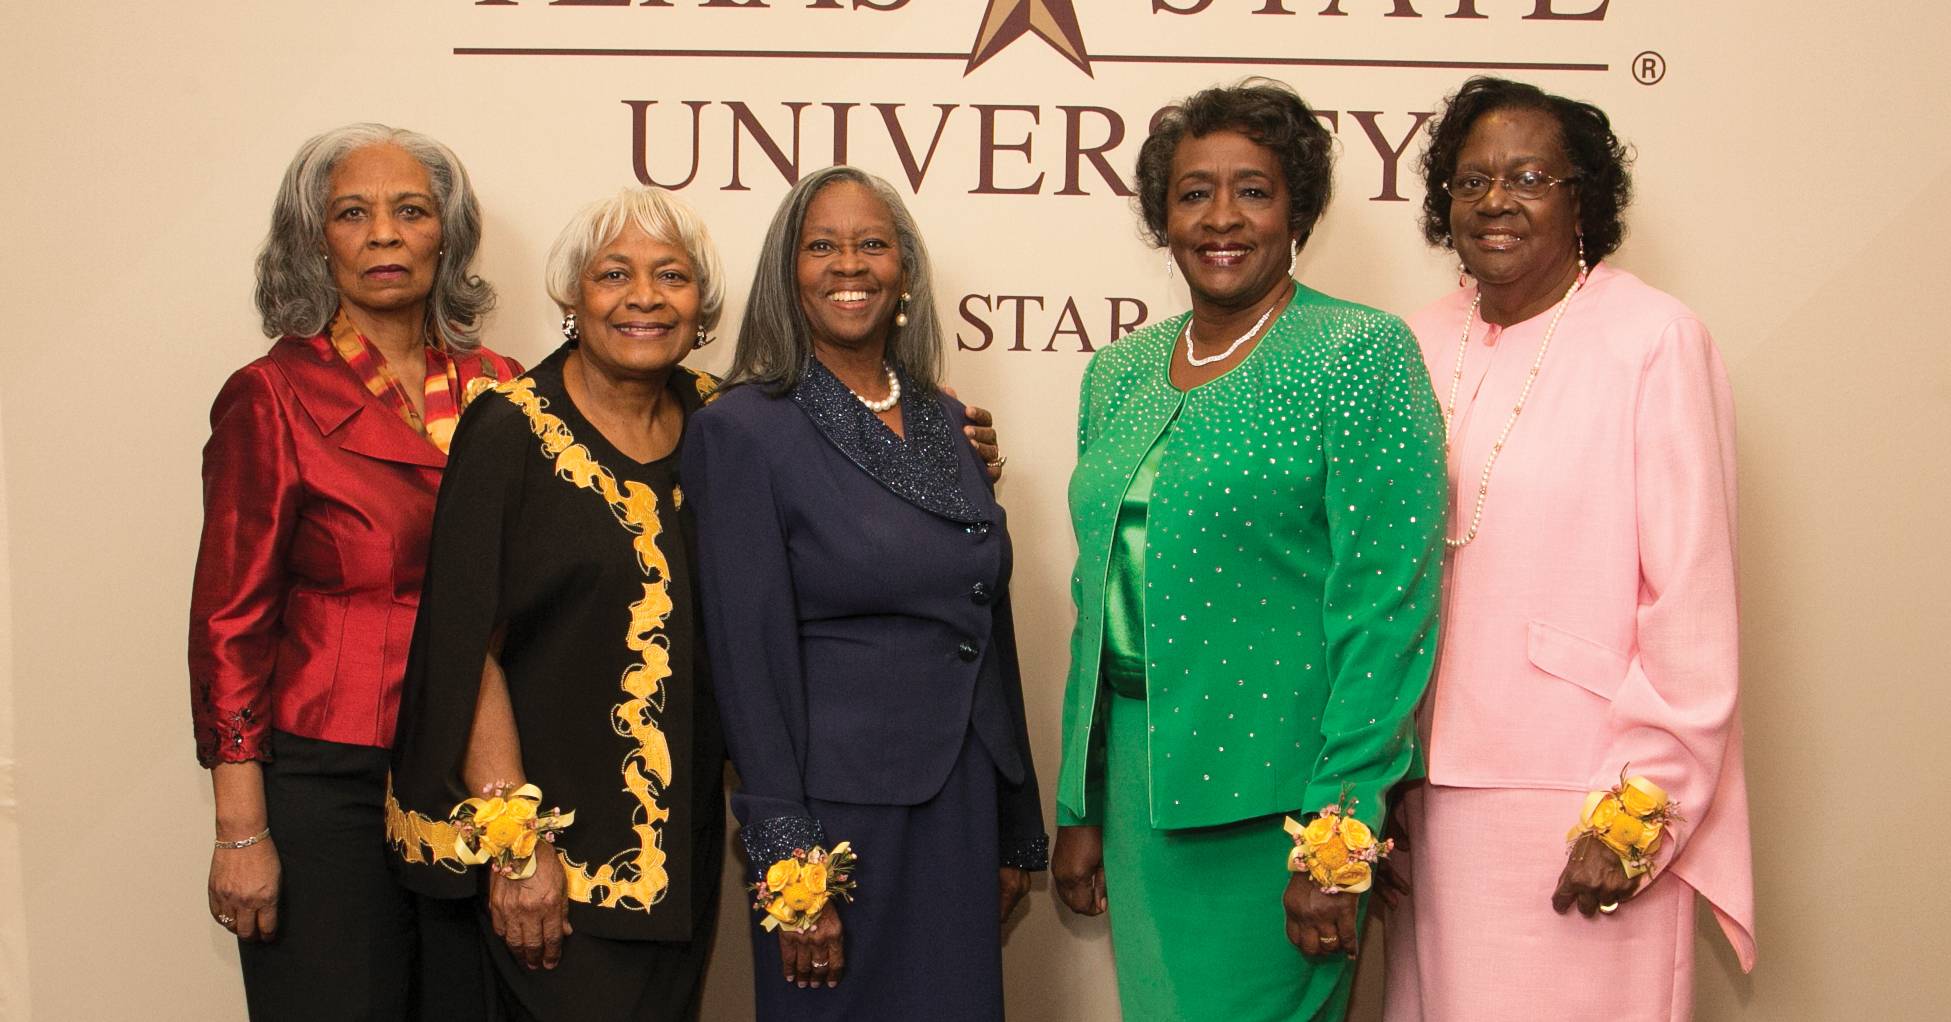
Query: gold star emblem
x,y
1005,21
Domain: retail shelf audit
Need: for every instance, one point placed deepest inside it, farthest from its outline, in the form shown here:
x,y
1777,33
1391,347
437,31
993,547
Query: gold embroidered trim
x,y
634,878
420,840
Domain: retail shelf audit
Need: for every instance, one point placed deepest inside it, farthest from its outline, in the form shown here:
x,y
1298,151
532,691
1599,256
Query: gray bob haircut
x,y
663,217
775,340
295,293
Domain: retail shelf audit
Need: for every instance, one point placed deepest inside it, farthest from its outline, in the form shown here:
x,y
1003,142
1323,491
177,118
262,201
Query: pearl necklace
x,y
1456,379
893,394
1231,348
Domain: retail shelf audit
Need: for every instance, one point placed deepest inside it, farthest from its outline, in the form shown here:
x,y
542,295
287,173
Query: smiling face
x,y
1527,248
382,229
1226,219
848,268
637,306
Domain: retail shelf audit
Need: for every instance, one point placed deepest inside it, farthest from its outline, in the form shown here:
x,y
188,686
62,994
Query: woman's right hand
x,y
1077,869
244,890
532,915
816,957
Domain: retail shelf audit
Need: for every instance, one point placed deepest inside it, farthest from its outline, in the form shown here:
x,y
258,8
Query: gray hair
x,y
775,339
295,293
663,217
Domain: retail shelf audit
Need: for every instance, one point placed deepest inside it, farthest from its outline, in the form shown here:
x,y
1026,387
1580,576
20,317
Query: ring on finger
x,y
1000,461
1331,940
819,965
226,920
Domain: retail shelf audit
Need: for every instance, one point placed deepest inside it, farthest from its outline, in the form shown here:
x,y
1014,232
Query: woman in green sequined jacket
x,y
1258,505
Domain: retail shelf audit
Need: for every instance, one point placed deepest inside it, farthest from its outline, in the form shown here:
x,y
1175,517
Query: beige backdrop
x,y
1792,176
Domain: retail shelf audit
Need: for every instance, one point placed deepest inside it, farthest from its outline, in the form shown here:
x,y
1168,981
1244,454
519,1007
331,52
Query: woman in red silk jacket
x,y
319,482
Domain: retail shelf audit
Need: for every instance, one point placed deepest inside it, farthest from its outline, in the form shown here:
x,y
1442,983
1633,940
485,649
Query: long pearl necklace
x,y
1456,379
893,394
1231,348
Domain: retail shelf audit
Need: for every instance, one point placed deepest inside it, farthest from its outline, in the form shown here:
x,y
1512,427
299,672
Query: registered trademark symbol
x,y
1649,67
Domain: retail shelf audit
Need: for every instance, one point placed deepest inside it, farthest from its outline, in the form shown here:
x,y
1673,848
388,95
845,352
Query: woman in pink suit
x,y
1589,629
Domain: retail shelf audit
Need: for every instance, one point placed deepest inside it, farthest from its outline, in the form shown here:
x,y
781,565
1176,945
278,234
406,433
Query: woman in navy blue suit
x,y
855,575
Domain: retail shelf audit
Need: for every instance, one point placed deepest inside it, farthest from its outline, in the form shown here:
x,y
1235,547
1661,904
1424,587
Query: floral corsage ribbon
x,y
1630,818
503,827
796,889
1335,850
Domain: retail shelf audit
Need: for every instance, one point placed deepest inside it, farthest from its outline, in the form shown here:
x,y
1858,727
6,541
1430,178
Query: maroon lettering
x,y
840,120
905,152
1121,326
1403,9
1076,328
1165,6
743,118
747,5
987,148
1544,12
1021,302
1391,154
640,140
1075,151
988,335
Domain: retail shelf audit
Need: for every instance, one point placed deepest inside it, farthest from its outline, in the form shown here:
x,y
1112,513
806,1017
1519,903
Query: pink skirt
x,y
1478,938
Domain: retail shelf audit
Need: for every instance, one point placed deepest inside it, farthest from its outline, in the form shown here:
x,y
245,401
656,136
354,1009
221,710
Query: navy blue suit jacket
x,y
858,618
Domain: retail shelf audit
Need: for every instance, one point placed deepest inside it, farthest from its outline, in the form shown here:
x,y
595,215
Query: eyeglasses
x,y
1525,184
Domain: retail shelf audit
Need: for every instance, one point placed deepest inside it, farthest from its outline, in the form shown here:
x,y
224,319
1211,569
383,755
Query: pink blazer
x,y
1592,626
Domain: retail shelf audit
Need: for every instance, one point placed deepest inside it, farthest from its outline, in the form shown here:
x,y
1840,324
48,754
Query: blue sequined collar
x,y
924,469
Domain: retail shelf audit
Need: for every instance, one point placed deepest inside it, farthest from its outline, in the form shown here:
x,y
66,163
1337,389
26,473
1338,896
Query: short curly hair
x,y
1600,162
1267,111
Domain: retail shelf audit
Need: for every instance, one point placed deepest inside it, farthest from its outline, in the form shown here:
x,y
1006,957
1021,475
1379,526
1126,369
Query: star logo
x,y
1006,21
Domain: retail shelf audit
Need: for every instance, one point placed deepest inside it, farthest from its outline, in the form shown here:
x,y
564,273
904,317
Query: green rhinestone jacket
x,y
1293,560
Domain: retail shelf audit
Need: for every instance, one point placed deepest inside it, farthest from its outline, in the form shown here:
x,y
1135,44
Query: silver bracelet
x,y
245,842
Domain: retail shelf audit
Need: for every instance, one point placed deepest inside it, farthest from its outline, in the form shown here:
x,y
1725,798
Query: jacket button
x,y
967,651
979,594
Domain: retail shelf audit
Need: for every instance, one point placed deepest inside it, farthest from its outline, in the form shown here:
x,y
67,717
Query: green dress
x,y
1256,588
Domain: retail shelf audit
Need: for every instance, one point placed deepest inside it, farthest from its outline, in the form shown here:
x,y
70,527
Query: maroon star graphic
x,y
1005,21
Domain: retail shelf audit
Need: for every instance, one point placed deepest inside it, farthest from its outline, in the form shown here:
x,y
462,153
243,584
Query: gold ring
x,y
1609,907
1331,940
999,462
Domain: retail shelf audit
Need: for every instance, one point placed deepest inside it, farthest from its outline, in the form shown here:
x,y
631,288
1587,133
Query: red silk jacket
x,y
318,501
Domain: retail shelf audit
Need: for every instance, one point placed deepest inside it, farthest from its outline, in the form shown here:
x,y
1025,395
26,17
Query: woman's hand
x,y
1014,884
818,956
981,432
1077,869
244,890
1320,924
1593,877
532,915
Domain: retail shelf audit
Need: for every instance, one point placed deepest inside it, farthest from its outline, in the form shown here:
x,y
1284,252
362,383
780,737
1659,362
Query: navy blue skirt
x,y
922,935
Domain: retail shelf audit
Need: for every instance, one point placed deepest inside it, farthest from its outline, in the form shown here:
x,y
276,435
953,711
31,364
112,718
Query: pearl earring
x,y
569,332
1581,253
901,313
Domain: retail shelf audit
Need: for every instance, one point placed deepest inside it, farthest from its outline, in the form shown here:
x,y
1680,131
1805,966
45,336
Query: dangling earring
x,y
901,310
569,332
1169,264
701,340
1581,253
1293,255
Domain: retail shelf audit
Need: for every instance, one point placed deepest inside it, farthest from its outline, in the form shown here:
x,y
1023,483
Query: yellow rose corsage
x,y
503,827
1335,850
1630,818
796,889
